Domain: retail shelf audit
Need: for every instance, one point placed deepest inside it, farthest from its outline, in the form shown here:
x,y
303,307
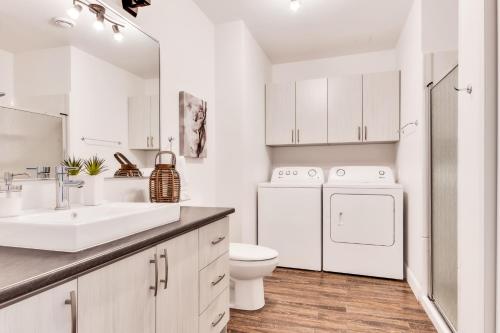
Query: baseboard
x,y
429,307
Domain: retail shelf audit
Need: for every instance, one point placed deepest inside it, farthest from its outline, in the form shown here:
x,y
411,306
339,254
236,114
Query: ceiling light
x,y
99,23
294,5
74,12
118,36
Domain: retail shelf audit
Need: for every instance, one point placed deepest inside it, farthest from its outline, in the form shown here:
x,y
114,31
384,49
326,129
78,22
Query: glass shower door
x,y
444,125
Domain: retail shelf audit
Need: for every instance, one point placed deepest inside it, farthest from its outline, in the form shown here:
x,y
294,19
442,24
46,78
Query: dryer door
x,y
362,219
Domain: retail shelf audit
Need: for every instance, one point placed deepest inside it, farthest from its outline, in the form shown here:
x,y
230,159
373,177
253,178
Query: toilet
x,y
248,264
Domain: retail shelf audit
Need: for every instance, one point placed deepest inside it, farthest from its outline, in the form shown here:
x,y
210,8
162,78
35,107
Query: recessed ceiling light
x,y
63,22
294,5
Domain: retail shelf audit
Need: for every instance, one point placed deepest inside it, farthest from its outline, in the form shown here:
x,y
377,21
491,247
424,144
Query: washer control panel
x,y
361,174
312,175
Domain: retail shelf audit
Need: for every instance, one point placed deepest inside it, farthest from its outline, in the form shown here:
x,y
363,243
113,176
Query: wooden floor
x,y
313,302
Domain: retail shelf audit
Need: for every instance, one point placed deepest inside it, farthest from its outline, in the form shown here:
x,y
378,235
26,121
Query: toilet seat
x,y
248,252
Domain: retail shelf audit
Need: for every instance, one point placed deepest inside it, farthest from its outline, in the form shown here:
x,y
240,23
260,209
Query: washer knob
x,y
340,172
281,173
312,172
295,173
288,173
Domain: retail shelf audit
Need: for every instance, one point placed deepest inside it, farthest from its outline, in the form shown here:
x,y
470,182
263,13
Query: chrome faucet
x,y
62,187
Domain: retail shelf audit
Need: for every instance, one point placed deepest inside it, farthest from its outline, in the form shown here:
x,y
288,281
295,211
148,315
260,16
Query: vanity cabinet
x,y
343,109
178,286
119,298
143,122
177,299
46,312
296,113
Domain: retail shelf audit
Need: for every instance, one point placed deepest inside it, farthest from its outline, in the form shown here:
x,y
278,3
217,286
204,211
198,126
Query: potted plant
x,y
74,165
93,192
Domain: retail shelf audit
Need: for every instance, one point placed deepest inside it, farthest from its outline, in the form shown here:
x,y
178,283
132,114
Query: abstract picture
x,y
192,122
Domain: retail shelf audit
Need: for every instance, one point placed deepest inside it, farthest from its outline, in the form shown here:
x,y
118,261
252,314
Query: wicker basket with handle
x,y
127,169
165,182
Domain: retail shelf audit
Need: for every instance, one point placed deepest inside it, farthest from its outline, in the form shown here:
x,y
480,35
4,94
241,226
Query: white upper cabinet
x,y
311,111
345,109
280,113
143,122
381,107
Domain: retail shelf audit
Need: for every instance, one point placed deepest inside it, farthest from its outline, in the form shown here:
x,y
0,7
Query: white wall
x,y
439,25
477,163
6,77
411,159
187,41
335,155
242,69
371,62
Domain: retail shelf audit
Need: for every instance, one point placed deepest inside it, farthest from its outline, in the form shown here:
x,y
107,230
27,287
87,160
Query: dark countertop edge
x,y
54,278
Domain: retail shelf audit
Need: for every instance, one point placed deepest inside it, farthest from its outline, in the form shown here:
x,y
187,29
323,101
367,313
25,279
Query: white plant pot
x,y
93,190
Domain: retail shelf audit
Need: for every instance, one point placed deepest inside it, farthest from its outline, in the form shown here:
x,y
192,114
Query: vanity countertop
x,y
25,272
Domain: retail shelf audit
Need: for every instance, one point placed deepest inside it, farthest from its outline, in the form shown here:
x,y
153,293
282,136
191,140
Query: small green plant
x,y
74,164
94,166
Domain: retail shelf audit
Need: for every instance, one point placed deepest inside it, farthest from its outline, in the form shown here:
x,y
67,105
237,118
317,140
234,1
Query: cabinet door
x,y
154,122
42,313
280,114
311,111
381,107
177,301
118,298
139,128
345,109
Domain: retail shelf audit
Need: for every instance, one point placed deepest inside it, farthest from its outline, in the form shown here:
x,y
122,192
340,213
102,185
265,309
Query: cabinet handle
x,y
219,318
218,280
147,140
164,256
292,136
74,314
218,240
152,144
155,287
298,135
359,133
366,133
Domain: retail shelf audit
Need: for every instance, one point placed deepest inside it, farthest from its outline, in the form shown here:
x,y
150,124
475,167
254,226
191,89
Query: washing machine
x,y
363,222
289,216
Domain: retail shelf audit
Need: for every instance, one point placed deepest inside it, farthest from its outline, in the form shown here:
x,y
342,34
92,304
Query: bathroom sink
x,y
83,227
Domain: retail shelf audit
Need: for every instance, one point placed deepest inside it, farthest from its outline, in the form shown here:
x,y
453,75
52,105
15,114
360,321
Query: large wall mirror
x,y
76,79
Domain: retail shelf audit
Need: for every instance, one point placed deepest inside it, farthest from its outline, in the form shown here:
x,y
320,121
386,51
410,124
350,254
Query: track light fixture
x,y
100,13
294,5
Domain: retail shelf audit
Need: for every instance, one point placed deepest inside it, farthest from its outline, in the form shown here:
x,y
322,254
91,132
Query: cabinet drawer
x,y
213,280
213,241
216,317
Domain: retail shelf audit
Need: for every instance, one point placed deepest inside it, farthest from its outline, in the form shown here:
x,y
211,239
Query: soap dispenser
x,y
11,200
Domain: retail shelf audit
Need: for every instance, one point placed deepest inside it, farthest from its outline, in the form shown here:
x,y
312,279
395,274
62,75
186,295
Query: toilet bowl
x,y
248,264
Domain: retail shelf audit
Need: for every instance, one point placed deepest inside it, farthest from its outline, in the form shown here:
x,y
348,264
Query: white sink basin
x,y
84,227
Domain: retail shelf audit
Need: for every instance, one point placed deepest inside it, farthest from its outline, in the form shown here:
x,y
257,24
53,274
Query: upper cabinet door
x,y
138,122
119,298
154,122
280,114
381,107
311,111
345,109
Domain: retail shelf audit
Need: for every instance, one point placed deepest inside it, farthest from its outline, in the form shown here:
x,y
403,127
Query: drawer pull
x,y
74,314
218,280
219,318
218,240
155,262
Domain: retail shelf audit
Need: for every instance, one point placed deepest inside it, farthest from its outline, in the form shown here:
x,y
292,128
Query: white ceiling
x,y
319,29
27,25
